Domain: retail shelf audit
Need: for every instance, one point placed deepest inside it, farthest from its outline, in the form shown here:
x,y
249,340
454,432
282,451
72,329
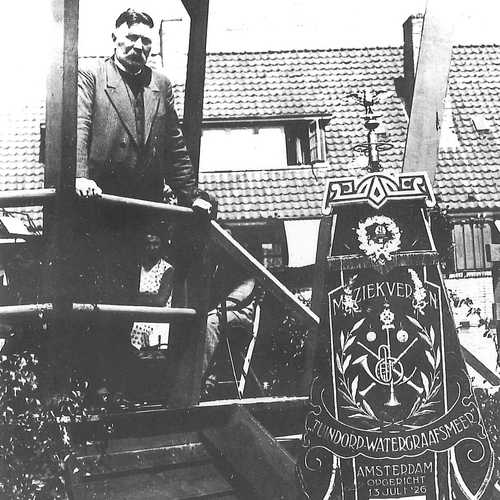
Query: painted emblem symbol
x,y
389,371
379,238
379,360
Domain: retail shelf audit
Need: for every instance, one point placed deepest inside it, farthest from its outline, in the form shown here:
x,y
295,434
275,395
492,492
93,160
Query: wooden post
x,y
495,274
318,300
189,345
488,375
194,273
195,78
431,81
60,173
256,456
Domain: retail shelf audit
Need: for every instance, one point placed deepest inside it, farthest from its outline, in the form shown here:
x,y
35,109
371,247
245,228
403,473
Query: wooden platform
x,y
152,470
195,454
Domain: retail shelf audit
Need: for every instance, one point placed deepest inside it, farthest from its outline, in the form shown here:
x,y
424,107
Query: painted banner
x,y
392,413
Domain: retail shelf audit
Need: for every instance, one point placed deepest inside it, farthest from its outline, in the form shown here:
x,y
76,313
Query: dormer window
x,y
481,124
317,142
305,142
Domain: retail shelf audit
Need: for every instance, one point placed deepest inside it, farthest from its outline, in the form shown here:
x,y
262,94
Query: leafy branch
x,y
349,389
430,385
36,455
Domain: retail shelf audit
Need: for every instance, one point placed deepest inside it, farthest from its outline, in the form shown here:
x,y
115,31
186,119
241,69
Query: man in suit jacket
x,y
129,143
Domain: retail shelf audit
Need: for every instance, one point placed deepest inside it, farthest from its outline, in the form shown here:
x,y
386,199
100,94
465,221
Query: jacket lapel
x,y
119,97
151,101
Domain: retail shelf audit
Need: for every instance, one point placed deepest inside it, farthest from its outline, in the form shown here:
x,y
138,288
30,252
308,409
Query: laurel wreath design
x,y
430,397
360,409
379,252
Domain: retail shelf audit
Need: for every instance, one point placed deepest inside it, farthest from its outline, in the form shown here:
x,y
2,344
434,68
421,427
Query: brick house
x,y
277,124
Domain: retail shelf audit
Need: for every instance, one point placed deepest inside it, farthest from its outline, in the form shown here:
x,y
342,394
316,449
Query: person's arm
x,y
181,177
159,299
85,187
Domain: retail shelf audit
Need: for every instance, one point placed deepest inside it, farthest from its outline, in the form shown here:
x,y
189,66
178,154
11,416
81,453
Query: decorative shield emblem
x,y
382,374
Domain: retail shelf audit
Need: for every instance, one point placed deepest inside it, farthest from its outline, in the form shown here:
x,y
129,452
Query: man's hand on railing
x,y
87,188
202,207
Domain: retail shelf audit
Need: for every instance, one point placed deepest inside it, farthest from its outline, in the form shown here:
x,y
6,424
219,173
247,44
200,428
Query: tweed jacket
x,y
107,145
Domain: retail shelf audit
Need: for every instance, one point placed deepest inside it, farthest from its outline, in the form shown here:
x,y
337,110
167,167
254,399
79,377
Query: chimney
x,y
412,33
174,45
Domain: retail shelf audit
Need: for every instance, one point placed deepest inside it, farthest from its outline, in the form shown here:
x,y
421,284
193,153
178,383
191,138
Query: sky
x,y
277,24
236,25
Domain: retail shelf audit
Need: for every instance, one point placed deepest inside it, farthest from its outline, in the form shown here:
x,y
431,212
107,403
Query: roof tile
x,y
300,83
316,82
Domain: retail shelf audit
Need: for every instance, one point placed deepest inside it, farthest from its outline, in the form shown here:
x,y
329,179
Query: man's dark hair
x,y
131,16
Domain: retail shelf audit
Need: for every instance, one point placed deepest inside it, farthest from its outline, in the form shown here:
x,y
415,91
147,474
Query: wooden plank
x,y
318,300
190,6
468,247
287,413
200,481
495,275
195,78
137,313
61,111
150,460
207,411
61,105
25,310
256,456
459,246
26,197
187,345
493,252
488,375
149,205
300,311
431,80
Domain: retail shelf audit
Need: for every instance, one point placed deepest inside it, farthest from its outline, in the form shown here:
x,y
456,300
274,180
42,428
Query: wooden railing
x,y
219,237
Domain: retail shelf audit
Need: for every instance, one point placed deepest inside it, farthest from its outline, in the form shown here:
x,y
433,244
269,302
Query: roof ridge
x,y
313,50
335,49
288,168
305,50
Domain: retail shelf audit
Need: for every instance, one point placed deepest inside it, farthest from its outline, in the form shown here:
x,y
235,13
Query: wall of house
x,y
470,236
242,148
479,289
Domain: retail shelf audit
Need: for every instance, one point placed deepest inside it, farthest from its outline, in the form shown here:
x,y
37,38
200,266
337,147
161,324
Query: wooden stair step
x,y
190,482
153,460
127,444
